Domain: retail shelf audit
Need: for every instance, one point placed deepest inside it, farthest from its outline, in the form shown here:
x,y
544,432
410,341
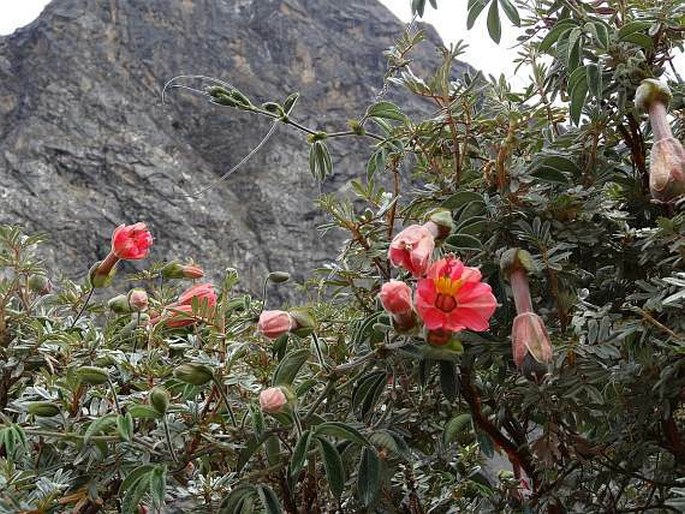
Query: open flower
x,y
203,292
411,249
452,297
131,242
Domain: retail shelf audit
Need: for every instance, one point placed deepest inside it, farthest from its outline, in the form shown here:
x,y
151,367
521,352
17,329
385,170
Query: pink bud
x,y
273,324
272,400
138,300
203,293
395,297
412,249
530,344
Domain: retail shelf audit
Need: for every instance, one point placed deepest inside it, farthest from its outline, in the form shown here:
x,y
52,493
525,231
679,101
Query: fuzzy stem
x,y
167,434
220,387
657,118
521,291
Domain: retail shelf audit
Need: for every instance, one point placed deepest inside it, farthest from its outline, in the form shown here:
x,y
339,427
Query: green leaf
x,y
269,499
251,446
554,34
290,102
463,242
578,95
289,367
455,426
642,40
125,426
341,431
511,12
143,412
474,10
335,473
594,80
548,174
101,425
135,494
485,444
558,162
460,199
272,447
385,110
234,502
494,24
574,40
472,226
134,476
449,380
631,28
391,441
417,6
368,476
320,163
158,486
300,454
602,32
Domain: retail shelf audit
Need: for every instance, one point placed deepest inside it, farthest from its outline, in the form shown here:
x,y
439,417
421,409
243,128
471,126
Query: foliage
x,y
383,421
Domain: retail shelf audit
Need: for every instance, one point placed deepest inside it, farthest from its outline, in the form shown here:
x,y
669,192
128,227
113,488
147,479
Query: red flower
x,y
273,324
452,297
203,292
395,297
530,344
131,242
411,249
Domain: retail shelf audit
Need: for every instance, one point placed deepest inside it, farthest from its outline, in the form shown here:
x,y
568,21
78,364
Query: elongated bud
x,y
119,304
159,399
102,272
92,375
530,340
273,324
176,270
278,277
193,373
40,284
42,409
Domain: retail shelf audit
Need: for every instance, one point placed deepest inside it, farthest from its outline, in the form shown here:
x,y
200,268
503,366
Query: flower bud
x,y
119,304
395,297
138,300
651,91
92,375
42,409
412,249
667,169
530,340
40,284
273,324
194,373
175,269
278,277
440,223
102,272
303,323
275,400
159,399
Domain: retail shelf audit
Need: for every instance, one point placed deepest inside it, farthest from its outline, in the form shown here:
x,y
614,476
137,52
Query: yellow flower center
x,y
447,289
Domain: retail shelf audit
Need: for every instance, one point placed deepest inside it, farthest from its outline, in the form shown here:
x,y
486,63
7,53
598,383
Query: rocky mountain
x,y
86,142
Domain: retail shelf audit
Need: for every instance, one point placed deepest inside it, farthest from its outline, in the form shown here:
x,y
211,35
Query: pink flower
x,y
272,400
203,292
395,297
411,249
452,297
273,324
131,242
180,316
138,299
530,345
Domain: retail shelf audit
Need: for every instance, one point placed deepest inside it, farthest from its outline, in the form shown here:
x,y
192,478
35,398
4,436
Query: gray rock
x,y
86,143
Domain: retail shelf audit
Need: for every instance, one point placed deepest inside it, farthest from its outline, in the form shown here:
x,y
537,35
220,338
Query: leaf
x,y
320,164
558,162
494,24
460,199
474,10
631,28
251,446
449,380
472,226
272,448
290,102
455,426
547,174
335,473
485,444
269,499
300,454
368,476
143,412
391,441
642,40
511,12
574,40
554,34
366,392
158,486
602,34
233,503
125,426
341,431
463,242
134,495
134,476
417,6
578,95
100,426
289,367
385,110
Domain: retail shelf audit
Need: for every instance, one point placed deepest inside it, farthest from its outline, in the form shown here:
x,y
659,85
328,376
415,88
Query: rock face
x,y
86,143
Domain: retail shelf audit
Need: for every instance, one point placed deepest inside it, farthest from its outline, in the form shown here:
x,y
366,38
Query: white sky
x,y
449,20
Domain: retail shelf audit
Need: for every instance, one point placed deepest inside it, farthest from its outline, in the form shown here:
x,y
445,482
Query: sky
x,y
449,21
